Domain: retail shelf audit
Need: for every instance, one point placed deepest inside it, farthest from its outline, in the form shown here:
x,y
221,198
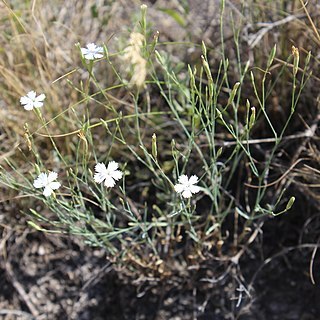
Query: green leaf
x,y
175,15
290,203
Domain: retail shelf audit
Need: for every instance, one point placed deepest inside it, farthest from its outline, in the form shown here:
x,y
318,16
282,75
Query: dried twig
x,y
24,296
254,39
311,261
310,20
18,313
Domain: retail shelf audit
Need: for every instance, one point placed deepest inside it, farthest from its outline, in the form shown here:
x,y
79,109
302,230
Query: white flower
x,y
187,186
47,182
92,52
31,100
108,175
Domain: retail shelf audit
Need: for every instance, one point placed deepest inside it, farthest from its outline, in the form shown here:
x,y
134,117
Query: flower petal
x,y
100,167
193,179
183,179
37,104
187,194
41,181
25,100
32,95
179,187
40,97
109,182
97,55
52,176
112,166
84,51
99,177
89,56
47,191
91,46
28,106
194,189
54,185
117,174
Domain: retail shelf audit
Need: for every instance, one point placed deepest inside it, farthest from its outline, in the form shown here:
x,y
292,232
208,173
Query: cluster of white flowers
x,y
106,175
109,175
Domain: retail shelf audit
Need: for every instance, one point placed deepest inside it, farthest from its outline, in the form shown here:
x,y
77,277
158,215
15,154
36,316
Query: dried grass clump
x,y
38,47
133,56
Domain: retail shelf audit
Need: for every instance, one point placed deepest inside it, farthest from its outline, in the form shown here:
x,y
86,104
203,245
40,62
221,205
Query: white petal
x,y
187,194
99,177
28,106
194,189
41,181
31,95
193,179
91,46
97,55
89,56
25,100
183,179
37,104
47,191
179,187
112,166
84,51
109,182
117,174
100,167
52,176
54,185
40,97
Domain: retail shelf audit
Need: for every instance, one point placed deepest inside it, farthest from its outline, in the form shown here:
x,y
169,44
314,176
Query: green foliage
x,y
200,125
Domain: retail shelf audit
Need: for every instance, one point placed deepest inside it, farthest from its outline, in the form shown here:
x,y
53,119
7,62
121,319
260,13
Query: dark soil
x,y
52,277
